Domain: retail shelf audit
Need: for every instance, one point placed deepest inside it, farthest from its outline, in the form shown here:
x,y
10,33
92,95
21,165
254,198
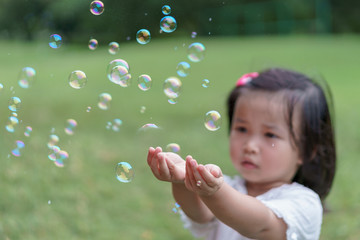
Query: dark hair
x,y
316,140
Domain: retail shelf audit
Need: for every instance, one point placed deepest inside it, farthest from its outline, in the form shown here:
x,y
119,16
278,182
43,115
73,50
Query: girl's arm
x,y
244,213
170,167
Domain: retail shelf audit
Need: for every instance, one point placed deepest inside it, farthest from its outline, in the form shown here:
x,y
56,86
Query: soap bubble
x,y
11,124
172,101
26,77
88,109
121,76
104,101
116,125
55,41
205,83
1,87
172,87
19,146
196,52
114,63
70,126
143,36
193,34
183,69
144,82
14,104
173,147
93,44
176,208
124,172
212,120
168,24
142,109
58,156
53,140
27,132
97,7
166,9
148,126
77,79
113,48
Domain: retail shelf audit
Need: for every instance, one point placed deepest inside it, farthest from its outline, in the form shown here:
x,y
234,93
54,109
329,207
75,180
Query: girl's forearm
x,y
191,204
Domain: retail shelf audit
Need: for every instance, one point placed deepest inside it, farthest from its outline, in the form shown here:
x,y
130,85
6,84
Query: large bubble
x,y
196,52
114,63
124,172
97,7
212,120
143,36
172,87
26,77
77,79
121,76
168,24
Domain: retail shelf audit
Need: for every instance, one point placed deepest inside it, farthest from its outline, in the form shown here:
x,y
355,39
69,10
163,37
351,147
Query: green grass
x,y
84,200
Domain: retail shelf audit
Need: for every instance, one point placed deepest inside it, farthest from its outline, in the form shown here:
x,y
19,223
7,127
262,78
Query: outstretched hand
x,y
202,179
166,166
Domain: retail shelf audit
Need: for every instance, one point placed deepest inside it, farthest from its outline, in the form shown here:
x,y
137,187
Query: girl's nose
x,y
251,146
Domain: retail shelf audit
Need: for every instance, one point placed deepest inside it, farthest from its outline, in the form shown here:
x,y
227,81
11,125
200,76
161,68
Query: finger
x,y
208,177
189,174
150,155
163,167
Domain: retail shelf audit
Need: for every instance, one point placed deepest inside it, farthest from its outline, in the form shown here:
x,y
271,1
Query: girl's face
x,y
261,148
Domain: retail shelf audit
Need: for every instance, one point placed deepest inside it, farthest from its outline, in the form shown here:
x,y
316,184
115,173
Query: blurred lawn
x,y
84,200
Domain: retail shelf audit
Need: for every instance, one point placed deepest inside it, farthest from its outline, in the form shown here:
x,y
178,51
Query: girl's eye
x,y
241,129
270,135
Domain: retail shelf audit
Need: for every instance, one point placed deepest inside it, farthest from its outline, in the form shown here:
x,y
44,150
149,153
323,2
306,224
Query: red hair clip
x,y
246,78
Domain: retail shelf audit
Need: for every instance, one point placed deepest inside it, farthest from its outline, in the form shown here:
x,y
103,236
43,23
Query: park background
x,y
83,199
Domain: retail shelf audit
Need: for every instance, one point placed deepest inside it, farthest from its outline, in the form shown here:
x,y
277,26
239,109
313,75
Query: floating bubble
x,y
142,109
14,104
88,109
114,63
176,208
63,155
144,82
193,34
143,36
183,69
19,146
28,131
116,125
26,77
166,9
172,101
113,48
55,41
210,19
55,150
1,87
173,147
11,124
149,126
97,7
168,24
172,87
124,172
104,101
77,79
93,44
212,120
196,52
70,126
108,125
120,75
53,140
205,83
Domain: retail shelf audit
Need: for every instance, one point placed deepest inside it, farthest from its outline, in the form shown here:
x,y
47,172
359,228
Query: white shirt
x,y
297,205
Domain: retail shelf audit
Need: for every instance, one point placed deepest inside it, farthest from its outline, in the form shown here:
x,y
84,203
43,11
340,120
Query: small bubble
x,y
28,131
196,52
19,146
114,63
55,41
116,125
168,24
1,87
212,120
77,79
53,140
142,109
14,104
104,101
172,87
205,83
97,7
173,147
166,9
88,109
113,48
49,202
124,172
183,69
143,36
70,126
26,77
11,124
172,101
176,208
193,34
210,19
149,126
120,75
93,44
144,82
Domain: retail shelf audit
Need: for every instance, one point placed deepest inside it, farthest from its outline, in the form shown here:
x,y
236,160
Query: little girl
x,y
282,145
